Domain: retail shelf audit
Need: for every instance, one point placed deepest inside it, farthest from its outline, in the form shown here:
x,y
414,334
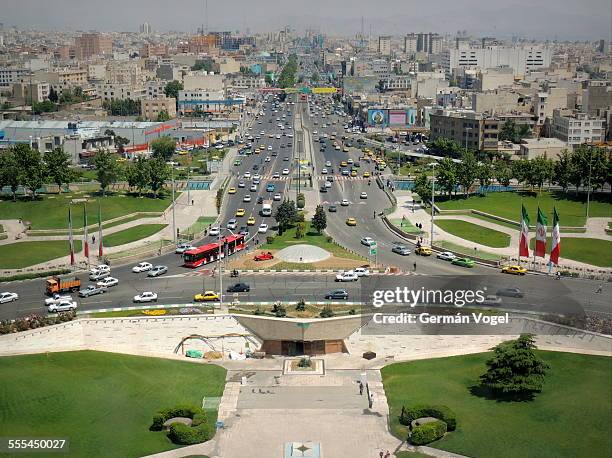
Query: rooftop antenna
x,y
206,15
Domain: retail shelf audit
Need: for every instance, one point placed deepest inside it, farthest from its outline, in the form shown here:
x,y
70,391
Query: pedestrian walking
x,y
371,403
388,454
381,454
360,388
414,267
93,239
374,216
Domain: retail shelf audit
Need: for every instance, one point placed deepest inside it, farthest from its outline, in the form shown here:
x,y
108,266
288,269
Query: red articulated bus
x,y
210,252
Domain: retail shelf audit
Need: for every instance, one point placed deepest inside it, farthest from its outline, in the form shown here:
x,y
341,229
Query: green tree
x,y
157,172
57,165
515,370
502,172
107,169
521,171
300,230
422,186
327,312
467,171
53,97
563,170
485,174
163,116
137,174
172,89
590,161
31,167
446,175
541,171
163,148
319,220
285,216
43,107
508,131
9,171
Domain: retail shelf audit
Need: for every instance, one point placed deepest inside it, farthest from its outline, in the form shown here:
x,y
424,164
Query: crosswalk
x,y
271,177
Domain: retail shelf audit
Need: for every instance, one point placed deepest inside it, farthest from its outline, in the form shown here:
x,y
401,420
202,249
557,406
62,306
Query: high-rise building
x,y
410,43
430,43
519,58
92,44
384,45
146,29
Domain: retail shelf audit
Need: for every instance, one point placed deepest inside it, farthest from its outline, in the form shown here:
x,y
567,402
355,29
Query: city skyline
x,y
548,20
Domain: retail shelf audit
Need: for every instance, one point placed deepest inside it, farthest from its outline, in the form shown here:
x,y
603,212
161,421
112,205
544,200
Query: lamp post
x,y
589,185
433,184
173,205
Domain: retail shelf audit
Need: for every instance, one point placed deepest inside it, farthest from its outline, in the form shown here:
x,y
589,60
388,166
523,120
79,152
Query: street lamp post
x,y
589,188
433,211
173,205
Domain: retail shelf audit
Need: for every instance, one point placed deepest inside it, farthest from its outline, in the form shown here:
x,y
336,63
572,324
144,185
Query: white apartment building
x,y
108,91
520,59
577,128
202,80
202,100
155,89
9,76
544,103
240,81
26,91
410,43
384,45
398,82
150,108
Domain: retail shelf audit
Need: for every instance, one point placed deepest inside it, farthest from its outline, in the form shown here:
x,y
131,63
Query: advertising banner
x,y
378,117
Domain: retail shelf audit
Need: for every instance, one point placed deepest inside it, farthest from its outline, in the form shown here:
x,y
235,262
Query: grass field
x,y
132,234
569,418
467,250
103,402
406,226
474,233
596,252
202,223
311,238
51,211
406,454
24,254
571,208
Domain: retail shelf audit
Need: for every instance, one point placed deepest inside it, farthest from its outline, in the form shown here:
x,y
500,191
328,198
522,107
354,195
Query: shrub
x,y
199,431
186,411
440,412
429,432
279,311
301,305
270,239
188,435
329,239
327,312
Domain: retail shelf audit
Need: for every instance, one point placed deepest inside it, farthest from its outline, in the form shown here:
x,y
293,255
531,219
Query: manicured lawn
x,y
406,226
406,454
467,250
51,211
474,233
24,254
202,223
571,208
102,402
132,234
596,252
570,417
311,238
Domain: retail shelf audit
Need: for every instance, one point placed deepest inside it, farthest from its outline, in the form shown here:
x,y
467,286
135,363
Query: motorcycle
x,y
234,273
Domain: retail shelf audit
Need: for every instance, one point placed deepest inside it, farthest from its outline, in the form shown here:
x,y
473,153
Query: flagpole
x,y
100,241
85,235
521,233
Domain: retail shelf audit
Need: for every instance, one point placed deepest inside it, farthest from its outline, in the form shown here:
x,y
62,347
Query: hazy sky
x,y
541,19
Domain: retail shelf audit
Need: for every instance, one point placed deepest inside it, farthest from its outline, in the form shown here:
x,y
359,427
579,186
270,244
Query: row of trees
x,y
579,168
288,215
127,107
287,76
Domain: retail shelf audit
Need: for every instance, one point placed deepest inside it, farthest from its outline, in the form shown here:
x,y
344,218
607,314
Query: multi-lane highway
x,y
541,293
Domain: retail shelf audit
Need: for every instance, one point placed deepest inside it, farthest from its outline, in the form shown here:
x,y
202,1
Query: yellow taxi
x,y
262,147
231,191
351,222
353,173
343,164
240,212
256,150
345,149
514,270
206,296
423,251
367,151
251,221
366,174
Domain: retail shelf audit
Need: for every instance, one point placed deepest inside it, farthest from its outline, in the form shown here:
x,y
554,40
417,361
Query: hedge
x,y
422,410
199,431
429,432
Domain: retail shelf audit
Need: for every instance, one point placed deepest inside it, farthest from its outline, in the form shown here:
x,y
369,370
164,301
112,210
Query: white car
x,y
62,306
277,197
269,147
263,228
232,224
324,172
100,268
57,298
180,249
247,175
246,198
368,241
142,267
344,203
276,175
278,136
241,184
285,171
328,164
347,276
108,282
147,296
363,195
214,231
268,159
362,271
446,256
8,297
256,177
253,188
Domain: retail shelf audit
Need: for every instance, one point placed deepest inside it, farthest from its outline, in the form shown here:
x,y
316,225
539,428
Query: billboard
x,y
382,117
378,117
397,117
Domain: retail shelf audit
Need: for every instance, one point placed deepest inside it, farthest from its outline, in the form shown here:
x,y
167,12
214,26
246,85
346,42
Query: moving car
x,y
263,228
446,256
240,212
241,184
332,209
142,267
214,231
95,276
337,294
50,300
92,290
270,187
246,198
366,174
108,282
351,222
276,175
402,250
463,262
362,271
347,276
232,224
277,197
368,241
231,190
147,296
514,270
253,188
62,306
206,296
251,221
263,256
423,251
363,195
180,249
99,268
8,297
157,271
239,288
344,203
510,292
285,171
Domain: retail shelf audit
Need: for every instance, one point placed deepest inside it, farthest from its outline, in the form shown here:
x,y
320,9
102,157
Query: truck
x,y
266,208
62,283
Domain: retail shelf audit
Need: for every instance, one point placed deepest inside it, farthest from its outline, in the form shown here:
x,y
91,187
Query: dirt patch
x,y
339,263
333,262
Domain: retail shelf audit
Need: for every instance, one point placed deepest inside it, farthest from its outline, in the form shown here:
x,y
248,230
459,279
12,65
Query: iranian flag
x,y
70,240
524,240
555,250
540,245
100,244
85,243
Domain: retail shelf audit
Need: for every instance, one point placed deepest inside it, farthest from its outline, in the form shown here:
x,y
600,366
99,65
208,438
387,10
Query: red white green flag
x,y
85,243
555,250
70,240
524,240
540,245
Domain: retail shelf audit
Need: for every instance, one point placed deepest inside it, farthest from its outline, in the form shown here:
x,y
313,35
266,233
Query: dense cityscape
x,y
293,241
